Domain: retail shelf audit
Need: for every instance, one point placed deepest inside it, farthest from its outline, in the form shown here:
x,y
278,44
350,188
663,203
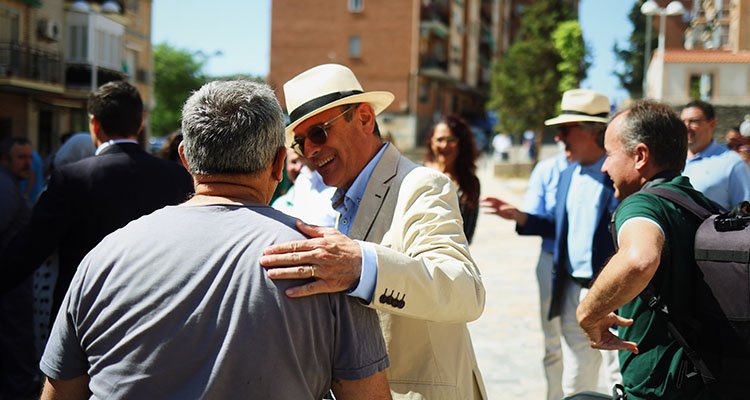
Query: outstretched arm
x,y
624,277
493,205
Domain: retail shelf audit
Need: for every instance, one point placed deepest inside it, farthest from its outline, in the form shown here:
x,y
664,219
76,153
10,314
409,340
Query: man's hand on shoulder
x,y
330,257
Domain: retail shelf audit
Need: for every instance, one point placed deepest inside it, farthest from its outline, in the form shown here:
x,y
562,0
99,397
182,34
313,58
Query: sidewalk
x,y
507,338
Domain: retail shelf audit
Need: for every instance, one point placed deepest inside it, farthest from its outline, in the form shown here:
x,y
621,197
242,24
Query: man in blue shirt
x,y
714,170
579,223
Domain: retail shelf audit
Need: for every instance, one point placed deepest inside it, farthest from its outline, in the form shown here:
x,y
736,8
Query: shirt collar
x,y
357,189
110,143
595,168
711,150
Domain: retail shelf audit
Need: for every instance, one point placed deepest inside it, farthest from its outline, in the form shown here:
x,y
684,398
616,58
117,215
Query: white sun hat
x,y
581,105
324,87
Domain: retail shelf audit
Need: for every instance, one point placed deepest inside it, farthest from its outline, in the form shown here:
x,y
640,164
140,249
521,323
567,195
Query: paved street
x,y
507,338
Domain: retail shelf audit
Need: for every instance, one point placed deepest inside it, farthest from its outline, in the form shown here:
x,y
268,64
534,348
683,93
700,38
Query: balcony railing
x,y
26,62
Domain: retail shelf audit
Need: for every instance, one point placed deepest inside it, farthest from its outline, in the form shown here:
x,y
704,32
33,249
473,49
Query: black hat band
x,y
319,102
571,112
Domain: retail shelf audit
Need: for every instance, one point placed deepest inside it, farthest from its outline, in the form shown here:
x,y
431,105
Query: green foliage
x,y
178,72
568,39
526,80
524,85
631,76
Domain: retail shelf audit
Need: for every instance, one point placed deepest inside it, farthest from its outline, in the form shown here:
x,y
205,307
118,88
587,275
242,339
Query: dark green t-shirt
x,y
655,371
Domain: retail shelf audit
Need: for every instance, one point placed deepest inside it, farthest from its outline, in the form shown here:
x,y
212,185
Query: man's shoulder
x,y
423,176
242,222
658,208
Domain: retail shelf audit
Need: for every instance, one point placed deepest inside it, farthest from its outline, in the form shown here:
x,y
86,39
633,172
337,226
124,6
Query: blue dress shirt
x,y
347,208
720,174
583,215
542,191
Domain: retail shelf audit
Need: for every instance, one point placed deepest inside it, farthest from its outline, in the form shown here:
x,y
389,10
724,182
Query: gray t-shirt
x,y
176,306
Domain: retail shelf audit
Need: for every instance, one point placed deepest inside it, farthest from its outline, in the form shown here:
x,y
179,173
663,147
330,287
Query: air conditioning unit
x,y
49,30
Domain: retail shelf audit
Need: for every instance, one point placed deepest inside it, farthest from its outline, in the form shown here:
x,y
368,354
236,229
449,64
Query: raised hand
x,y
493,205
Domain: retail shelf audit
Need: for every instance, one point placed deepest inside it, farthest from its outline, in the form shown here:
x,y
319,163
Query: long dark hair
x,y
465,168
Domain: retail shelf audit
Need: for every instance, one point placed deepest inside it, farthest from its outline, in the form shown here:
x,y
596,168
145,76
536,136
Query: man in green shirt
x,y
645,146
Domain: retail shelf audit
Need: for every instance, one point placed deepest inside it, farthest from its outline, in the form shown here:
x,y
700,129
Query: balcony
x,y
19,61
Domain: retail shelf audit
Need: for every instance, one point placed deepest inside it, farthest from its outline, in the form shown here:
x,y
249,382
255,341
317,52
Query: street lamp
x,y
651,8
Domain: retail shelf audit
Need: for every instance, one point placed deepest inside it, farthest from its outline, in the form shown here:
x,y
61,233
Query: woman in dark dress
x,y
452,151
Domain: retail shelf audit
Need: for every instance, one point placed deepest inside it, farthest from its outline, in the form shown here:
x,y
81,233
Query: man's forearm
x,y
626,274
71,389
374,387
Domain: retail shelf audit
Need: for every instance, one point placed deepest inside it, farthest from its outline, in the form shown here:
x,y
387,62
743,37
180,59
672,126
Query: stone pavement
x,y
507,338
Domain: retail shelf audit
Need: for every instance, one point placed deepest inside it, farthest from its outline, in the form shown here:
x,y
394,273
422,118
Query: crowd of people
x,y
181,276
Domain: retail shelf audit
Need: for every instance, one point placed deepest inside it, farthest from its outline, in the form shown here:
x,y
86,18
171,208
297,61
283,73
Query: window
x,y
78,41
701,87
356,6
8,25
131,64
355,47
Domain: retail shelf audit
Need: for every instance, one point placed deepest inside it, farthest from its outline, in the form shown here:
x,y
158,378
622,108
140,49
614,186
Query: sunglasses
x,y
565,129
316,134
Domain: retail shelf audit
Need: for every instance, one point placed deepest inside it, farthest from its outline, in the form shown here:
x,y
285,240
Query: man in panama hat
x,y
399,246
579,223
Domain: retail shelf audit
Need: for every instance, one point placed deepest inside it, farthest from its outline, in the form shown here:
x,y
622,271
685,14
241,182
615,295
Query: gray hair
x,y
595,128
657,126
232,127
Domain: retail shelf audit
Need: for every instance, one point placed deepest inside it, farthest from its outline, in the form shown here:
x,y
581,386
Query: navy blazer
x,y
84,202
601,244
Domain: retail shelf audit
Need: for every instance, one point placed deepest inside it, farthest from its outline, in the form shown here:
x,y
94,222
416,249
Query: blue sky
x,y
241,31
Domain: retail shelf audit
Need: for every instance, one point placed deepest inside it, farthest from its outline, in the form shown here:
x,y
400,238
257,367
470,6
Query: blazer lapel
x,y
375,193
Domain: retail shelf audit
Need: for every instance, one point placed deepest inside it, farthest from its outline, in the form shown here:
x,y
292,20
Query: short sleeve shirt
x,y
176,306
654,372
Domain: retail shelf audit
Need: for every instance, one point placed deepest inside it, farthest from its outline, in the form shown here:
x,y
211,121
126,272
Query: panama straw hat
x,y
581,105
324,87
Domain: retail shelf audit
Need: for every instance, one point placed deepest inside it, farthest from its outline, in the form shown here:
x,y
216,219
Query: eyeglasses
x,y
565,129
449,140
316,134
693,122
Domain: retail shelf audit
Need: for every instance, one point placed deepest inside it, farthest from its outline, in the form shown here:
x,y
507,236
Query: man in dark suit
x,y
89,199
580,225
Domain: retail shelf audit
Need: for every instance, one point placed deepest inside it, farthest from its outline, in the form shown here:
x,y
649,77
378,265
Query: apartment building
x,y
712,62
434,55
54,52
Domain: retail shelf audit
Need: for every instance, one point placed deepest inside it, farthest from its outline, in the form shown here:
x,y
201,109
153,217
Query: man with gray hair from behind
x,y
176,306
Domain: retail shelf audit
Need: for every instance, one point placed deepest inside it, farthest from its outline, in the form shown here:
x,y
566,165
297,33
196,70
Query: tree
x,y
178,72
569,43
526,81
631,76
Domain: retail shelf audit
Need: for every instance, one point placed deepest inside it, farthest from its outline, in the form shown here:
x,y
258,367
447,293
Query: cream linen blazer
x,y
428,286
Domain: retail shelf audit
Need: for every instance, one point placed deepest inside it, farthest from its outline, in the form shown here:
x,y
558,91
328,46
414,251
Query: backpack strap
x,y
681,200
654,302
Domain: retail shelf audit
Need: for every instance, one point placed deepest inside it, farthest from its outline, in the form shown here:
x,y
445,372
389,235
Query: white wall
x,y
731,82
